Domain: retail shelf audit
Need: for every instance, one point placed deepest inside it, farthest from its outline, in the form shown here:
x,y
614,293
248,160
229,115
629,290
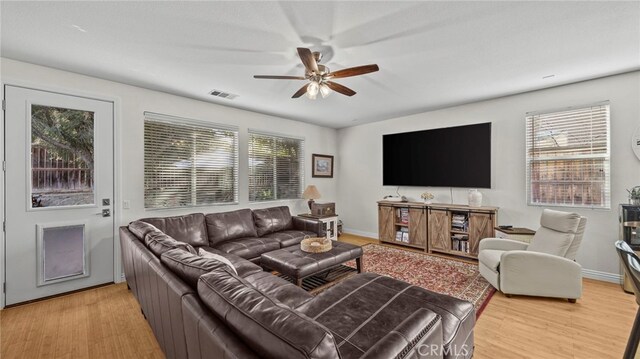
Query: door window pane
x,y
62,163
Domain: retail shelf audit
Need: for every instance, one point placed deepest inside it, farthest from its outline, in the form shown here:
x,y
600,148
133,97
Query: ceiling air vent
x,y
228,96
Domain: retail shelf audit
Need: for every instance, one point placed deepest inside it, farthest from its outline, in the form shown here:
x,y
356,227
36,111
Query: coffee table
x,y
297,264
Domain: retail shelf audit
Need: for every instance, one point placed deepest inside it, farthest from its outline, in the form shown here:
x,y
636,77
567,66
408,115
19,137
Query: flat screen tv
x,y
443,157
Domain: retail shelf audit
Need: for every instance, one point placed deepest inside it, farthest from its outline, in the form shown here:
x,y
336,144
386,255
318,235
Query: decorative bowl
x,y
315,245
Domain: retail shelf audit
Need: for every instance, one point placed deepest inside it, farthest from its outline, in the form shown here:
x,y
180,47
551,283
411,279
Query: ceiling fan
x,y
320,76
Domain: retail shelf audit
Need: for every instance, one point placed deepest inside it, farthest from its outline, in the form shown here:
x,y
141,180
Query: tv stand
x,y
436,228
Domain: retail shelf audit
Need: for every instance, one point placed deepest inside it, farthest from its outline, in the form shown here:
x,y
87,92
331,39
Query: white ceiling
x,y
431,54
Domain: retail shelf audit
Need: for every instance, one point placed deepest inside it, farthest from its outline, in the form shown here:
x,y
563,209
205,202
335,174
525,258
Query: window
x,y
568,157
188,163
276,167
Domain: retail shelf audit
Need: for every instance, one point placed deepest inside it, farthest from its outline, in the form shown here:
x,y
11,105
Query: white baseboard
x,y
603,276
361,233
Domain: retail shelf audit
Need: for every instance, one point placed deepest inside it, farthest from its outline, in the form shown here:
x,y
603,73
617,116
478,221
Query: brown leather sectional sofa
x,y
199,307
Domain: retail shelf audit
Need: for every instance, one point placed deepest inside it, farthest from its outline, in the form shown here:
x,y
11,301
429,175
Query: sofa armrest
x,y
420,333
540,274
502,244
309,224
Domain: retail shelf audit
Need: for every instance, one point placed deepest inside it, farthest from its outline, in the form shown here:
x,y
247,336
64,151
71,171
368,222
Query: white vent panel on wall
x,y
222,94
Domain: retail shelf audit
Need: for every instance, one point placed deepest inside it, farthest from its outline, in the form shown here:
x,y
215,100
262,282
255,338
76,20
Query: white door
x,y
59,192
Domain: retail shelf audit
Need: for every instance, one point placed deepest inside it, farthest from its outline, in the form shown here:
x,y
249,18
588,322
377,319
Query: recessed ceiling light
x,y
78,28
548,76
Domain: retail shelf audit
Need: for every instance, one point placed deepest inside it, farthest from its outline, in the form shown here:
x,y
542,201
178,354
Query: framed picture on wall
x,y
322,166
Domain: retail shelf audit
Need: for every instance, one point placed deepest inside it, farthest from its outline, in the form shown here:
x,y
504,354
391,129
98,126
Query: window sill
x,y
196,206
276,200
604,208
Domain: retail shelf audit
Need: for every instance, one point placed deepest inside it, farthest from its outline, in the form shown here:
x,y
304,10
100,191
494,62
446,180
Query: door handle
x,y
104,213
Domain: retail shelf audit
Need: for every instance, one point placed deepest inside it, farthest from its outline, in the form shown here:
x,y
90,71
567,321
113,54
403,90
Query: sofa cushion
x,y
189,267
242,266
490,258
565,222
159,242
248,248
275,287
269,327
365,307
217,257
189,228
551,242
141,229
274,219
572,251
418,336
226,226
290,238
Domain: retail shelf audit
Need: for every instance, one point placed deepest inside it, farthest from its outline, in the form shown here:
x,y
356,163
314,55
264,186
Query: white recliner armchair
x,y
546,267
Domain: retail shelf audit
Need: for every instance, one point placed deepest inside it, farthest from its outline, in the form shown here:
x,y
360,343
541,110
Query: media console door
x,y
430,227
439,229
418,226
386,219
481,225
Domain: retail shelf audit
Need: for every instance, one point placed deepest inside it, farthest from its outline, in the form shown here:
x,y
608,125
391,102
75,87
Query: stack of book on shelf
x,y
460,242
402,235
403,215
459,222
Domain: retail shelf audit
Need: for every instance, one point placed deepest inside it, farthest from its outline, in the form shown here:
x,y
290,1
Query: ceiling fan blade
x,y
276,77
339,88
353,71
300,92
308,60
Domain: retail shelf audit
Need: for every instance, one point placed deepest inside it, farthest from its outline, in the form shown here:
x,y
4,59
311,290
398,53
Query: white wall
x,y
360,167
133,101
358,150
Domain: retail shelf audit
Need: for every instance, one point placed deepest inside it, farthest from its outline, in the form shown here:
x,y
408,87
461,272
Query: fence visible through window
x,y
568,157
62,163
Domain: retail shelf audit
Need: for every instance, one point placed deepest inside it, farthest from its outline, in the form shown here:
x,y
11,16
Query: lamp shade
x,y
311,192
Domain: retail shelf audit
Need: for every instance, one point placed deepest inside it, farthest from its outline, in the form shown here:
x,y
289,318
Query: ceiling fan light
x,y
312,96
324,90
312,89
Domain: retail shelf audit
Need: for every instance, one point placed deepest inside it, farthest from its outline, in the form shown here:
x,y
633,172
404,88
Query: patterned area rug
x,y
447,276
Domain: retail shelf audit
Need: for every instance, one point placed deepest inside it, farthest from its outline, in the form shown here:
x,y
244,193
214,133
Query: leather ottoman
x,y
297,264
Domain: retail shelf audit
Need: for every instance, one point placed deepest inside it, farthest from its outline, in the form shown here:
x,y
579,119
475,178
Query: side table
x,y
330,223
515,233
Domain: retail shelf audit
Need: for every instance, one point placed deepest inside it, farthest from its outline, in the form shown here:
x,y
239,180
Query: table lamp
x,y
310,193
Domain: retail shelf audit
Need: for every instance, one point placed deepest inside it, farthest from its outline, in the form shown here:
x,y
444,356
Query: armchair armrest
x,y
309,224
502,244
540,274
420,333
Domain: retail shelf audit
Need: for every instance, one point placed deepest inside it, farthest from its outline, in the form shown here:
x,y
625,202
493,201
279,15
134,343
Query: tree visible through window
x,y
568,157
276,167
61,157
188,164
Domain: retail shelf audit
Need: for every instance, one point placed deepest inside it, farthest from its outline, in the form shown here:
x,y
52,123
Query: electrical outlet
x,y
126,204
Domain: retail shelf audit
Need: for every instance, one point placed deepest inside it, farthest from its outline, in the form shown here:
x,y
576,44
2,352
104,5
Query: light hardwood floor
x,y
106,323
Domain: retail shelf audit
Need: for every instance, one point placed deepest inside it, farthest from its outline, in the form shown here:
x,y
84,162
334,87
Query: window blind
x,y
188,164
276,167
568,157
